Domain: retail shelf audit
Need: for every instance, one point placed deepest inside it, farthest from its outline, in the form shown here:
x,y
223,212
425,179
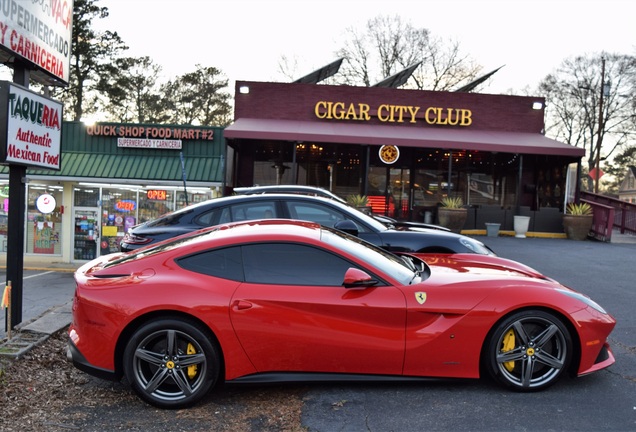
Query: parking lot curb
x,y
31,334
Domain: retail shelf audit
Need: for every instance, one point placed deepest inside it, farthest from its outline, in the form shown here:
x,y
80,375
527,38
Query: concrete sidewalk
x,y
46,306
25,336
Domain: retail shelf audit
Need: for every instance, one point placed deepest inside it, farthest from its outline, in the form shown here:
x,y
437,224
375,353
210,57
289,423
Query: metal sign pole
x,y
16,220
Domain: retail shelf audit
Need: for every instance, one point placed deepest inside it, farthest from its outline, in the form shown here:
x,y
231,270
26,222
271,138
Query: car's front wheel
x,y
171,363
529,350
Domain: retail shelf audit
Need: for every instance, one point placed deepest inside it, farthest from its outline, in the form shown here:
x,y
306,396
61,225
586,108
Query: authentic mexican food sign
x,y
30,128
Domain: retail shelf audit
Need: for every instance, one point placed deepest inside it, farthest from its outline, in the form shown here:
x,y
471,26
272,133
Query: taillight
x,y
131,238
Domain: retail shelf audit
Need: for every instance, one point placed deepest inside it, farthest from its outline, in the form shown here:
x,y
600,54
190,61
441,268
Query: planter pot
x,y
453,219
492,229
577,227
365,209
521,224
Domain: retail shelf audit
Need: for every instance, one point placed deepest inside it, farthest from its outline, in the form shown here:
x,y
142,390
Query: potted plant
x,y
452,214
361,202
577,220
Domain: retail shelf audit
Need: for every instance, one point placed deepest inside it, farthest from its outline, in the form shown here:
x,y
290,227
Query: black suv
x,y
318,191
326,211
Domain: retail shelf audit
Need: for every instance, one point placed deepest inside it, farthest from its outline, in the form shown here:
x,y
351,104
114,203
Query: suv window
x,y
238,212
251,211
319,213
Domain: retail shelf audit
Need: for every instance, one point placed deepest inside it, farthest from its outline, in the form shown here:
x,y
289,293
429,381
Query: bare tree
x,y
575,114
444,66
388,45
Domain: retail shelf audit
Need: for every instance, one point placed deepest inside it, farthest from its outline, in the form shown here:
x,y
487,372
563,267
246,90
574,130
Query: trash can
x,y
492,229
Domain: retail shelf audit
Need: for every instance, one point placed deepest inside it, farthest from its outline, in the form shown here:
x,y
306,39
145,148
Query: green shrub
x,y
452,203
579,209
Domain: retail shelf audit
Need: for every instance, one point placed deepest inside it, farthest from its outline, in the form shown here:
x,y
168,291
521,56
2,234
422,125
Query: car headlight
x,y
584,299
475,246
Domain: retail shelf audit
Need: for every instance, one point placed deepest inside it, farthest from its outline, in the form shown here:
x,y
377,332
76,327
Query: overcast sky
x,y
246,39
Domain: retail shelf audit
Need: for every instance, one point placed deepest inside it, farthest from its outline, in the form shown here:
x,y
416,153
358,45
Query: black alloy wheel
x,y
171,363
529,350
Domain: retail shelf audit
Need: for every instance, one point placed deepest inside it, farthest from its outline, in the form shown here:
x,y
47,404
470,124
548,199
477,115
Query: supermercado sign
x,y
388,113
39,31
32,133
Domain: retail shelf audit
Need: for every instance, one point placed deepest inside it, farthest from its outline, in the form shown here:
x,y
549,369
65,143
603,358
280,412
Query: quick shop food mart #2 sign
x,y
30,128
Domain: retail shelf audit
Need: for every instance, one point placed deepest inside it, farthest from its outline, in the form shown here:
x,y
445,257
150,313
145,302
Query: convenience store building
x,y
112,176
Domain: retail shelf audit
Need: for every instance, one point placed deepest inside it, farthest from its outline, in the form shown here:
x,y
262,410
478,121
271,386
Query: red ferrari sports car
x,y
279,300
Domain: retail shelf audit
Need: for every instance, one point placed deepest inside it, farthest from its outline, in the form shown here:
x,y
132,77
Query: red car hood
x,y
479,265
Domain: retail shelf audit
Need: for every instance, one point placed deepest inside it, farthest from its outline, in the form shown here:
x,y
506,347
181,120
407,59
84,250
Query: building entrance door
x,y
86,243
389,191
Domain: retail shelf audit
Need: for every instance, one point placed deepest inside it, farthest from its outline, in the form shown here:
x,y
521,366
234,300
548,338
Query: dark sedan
x,y
327,212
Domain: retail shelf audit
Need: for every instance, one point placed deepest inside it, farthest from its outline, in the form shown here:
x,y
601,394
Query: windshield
x,y
402,270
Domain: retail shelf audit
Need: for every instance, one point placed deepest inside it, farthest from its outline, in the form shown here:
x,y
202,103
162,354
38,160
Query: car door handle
x,y
242,305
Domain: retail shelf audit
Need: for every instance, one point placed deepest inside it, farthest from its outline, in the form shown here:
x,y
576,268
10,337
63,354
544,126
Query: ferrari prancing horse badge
x,y
420,297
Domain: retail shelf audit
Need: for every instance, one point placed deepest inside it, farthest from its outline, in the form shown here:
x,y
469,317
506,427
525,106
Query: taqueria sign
x,y
30,128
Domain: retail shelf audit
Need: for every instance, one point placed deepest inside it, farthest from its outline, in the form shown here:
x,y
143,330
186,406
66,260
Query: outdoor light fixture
x,y
244,89
537,105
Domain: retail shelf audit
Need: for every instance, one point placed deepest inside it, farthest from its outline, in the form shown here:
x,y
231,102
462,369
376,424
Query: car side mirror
x,y
356,278
347,226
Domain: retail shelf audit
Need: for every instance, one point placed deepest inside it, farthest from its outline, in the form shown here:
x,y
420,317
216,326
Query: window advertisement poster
x,y
32,133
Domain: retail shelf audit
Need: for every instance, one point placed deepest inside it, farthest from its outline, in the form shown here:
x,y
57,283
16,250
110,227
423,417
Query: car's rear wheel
x,y
171,363
529,350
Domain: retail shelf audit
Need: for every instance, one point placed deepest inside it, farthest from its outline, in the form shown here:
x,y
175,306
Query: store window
x,y
44,219
119,212
154,203
192,196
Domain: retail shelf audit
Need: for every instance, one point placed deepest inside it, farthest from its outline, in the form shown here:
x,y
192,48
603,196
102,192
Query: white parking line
x,y
35,275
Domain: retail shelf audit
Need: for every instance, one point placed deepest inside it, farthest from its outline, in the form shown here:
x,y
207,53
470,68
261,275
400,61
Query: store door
x,y
389,192
86,233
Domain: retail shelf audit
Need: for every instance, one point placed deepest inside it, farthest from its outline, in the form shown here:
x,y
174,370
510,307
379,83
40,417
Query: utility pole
x,y
599,139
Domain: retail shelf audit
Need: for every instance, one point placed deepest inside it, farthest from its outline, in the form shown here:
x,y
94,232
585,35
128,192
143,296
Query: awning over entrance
x,y
356,133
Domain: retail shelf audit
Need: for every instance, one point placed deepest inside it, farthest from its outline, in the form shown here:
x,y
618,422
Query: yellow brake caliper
x,y
192,370
509,345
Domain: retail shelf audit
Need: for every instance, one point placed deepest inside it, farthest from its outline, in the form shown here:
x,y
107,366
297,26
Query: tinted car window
x,y
253,210
318,213
173,218
222,263
239,212
292,264
215,216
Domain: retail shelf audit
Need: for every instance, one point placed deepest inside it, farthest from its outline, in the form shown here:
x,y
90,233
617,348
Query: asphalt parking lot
x,y
602,401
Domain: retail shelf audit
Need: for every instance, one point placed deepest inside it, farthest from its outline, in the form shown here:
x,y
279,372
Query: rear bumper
x,y
74,355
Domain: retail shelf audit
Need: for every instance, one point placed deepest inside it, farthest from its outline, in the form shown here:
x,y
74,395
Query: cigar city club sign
x,y
388,113
32,132
396,114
